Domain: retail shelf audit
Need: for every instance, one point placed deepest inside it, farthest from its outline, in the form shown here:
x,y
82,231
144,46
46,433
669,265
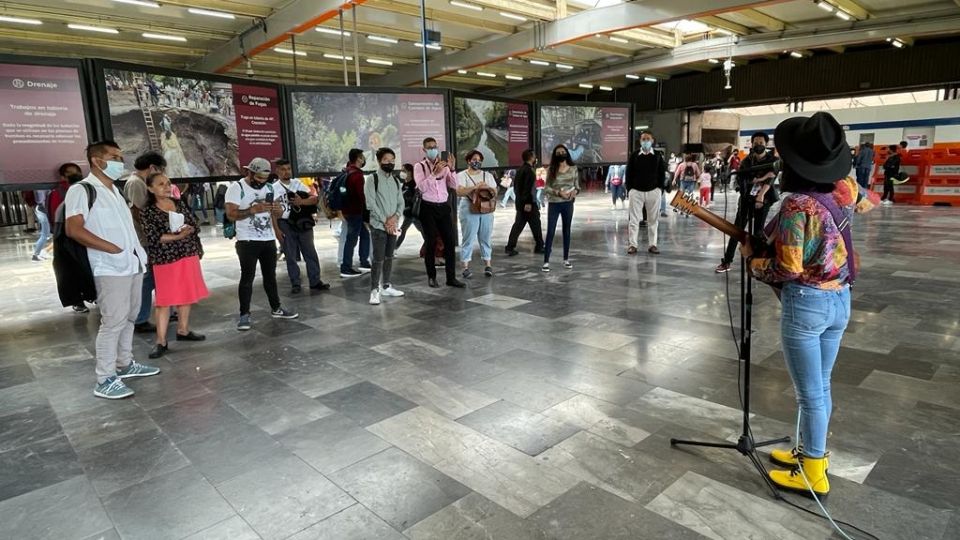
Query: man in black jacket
x,y
646,176
891,169
528,212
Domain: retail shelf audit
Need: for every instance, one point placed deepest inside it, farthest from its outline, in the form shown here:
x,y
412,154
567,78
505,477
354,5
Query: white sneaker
x,y
389,291
568,265
375,297
545,267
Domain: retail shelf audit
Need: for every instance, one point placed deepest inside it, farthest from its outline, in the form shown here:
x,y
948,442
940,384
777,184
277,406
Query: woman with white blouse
x,y
475,227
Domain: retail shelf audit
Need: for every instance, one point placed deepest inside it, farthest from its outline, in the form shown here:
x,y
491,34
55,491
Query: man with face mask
x,y
646,174
118,262
353,217
528,210
434,177
297,239
135,190
757,195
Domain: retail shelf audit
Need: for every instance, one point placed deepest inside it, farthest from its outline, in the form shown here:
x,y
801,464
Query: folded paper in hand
x,y
176,222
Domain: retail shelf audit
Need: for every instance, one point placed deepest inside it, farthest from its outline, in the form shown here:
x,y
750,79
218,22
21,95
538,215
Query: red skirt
x,y
179,283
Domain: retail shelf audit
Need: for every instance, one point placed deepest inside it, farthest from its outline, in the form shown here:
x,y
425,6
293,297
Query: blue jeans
x,y
356,230
812,324
510,194
44,224
687,186
564,211
618,193
474,228
863,177
540,197
146,296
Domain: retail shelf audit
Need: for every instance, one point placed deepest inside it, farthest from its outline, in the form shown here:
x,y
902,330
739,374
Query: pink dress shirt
x,y
433,187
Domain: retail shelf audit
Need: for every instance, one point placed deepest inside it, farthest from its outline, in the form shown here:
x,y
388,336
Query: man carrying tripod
x,y
755,180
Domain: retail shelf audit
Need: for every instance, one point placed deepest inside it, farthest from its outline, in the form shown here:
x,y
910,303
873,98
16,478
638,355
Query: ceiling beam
x,y
237,8
763,20
614,18
730,26
853,8
380,30
297,17
441,16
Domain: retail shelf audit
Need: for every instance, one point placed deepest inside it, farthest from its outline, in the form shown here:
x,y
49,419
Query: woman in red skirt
x,y
174,249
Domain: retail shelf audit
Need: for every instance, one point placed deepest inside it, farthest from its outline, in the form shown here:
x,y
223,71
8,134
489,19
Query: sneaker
x,y
44,256
112,388
36,258
350,273
295,289
663,214
722,267
467,273
81,308
568,265
488,271
136,369
243,323
545,267
365,268
389,291
375,297
511,252
320,286
281,313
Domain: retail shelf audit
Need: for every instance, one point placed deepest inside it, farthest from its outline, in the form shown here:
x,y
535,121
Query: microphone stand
x,y
745,444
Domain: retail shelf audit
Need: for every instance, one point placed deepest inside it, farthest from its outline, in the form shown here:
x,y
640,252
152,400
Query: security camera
x,y
249,71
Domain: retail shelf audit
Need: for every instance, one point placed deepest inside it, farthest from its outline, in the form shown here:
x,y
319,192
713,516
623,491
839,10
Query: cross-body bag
x,y
484,200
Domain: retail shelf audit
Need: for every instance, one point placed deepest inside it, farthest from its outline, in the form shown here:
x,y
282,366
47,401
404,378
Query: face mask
x,y
759,148
475,165
646,145
387,167
561,157
432,153
74,178
403,175
113,170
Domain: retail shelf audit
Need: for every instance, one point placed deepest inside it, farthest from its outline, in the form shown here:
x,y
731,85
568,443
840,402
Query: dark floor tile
x,y
118,464
37,465
229,451
195,417
355,522
332,443
14,375
527,431
88,429
366,403
918,478
68,509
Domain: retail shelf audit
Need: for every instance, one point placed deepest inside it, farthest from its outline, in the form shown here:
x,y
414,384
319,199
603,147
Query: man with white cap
x,y
250,205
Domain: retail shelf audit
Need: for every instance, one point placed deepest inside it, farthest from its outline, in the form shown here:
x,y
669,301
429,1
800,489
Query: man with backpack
x,y
646,173
97,218
253,215
298,204
349,186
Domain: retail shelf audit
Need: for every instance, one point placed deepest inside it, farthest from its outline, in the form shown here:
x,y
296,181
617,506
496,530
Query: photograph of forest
x,y
482,124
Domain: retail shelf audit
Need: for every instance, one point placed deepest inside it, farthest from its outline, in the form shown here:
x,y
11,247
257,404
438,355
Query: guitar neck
x,y
710,218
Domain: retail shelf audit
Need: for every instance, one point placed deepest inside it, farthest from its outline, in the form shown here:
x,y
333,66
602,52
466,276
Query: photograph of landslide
x,y
190,121
482,124
580,129
327,125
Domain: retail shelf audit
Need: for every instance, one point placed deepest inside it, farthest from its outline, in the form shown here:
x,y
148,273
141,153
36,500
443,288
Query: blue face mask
x,y
432,153
114,170
475,164
646,145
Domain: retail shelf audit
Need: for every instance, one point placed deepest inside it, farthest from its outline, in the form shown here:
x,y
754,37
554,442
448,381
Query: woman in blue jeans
x,y
562,188
811,260
40,212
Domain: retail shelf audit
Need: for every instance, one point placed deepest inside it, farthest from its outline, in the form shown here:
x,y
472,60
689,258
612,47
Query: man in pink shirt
x,y
433,177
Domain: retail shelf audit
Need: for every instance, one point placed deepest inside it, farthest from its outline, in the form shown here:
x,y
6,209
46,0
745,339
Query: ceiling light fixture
x,y
383,39
19,20
465,5
650,79
141,3
431,46
539,63
606,89
88,28
796,54
462,71
513,77
331,31
288,51
843,14
379,62
619,39
896,42
336,56
632,76
209,13
585,85
513,16
164,37
713,61
825,6
564,66
485,74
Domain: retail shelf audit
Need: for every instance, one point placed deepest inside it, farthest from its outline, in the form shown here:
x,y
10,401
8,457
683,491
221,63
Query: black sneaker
x,y
320,286
456,283
512,252
433,284
722,267
467,273
80,308
281,313
144,327
295,289
350,273
488,271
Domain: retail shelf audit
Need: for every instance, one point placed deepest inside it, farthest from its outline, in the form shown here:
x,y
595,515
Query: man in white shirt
x,y
250,205
117,260
297,232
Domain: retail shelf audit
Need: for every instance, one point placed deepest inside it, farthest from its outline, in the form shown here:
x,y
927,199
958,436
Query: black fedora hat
x,y
814,147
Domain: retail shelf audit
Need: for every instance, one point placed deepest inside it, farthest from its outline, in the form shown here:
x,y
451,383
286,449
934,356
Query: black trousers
x,y
744,209
523,219
887,189
437,221
250,252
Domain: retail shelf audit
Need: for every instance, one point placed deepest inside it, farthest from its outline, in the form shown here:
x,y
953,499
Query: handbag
x,y
483,200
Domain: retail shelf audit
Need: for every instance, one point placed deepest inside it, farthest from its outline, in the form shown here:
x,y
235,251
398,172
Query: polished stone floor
x,y
526,406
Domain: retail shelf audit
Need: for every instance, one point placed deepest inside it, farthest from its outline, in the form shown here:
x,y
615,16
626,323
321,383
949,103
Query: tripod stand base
x,y
745,444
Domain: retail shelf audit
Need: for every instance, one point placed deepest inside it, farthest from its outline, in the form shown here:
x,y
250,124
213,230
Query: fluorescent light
x,y
513,77
209,13
606,89
843,14
465,5
485,74
513,16
331,31
383,39
336,56
897,43
713,61
164,37
564,66
650,79
539,63
585,85
432,46
618,39
141,3
462,71
643,127
379,62
288,51
795,54
825,6
19,20
100,29
632,76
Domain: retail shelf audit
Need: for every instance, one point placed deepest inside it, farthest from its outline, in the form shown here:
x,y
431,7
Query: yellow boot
x,y
788,458
811,473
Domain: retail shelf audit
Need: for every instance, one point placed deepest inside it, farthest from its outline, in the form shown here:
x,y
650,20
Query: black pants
x,y
250,253
407,222
437,220
523,219
887,189
759,220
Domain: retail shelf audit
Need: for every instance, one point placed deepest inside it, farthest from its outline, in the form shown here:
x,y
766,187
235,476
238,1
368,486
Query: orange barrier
x,y
942,185
914,163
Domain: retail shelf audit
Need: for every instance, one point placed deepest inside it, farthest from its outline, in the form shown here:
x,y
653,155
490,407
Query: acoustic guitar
x,y
686,203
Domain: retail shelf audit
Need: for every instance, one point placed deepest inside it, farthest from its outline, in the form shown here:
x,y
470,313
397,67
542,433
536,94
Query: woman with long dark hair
x,y
811,259
562,188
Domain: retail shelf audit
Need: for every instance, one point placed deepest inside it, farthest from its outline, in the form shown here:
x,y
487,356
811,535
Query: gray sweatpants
x,y
384,245
118,298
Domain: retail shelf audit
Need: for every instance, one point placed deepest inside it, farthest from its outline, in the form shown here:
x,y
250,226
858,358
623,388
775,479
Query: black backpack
x,y
335,196
70,263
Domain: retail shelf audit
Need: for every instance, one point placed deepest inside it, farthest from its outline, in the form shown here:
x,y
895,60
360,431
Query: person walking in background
x,y
475,227
43,221
562,188
353,218
706,182
297,228
409,188
863,163
384,199
646,174
541,183
174,249
69,174
135,190
528,209
891,168
507,182
434,177
30,202
687,174
615,184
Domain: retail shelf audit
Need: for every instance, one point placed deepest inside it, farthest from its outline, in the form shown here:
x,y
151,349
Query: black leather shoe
x,y
320,286
158,351
191,336
144,327
456,283
295,289
433,284
512,252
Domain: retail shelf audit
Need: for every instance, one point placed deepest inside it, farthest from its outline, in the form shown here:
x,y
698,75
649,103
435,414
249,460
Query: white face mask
x,y
114,170
403,175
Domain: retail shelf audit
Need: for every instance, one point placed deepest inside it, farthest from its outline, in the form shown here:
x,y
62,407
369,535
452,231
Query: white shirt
x,y
465,180
281,196
110,219
255,227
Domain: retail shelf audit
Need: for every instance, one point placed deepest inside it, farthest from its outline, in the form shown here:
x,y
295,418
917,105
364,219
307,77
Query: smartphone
x,y
269,199
444,156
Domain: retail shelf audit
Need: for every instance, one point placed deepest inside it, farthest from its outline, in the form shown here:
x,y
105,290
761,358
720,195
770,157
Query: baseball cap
x,y
259,166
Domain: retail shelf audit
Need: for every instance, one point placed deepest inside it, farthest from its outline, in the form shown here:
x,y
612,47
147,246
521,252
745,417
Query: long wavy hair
x,y
555,163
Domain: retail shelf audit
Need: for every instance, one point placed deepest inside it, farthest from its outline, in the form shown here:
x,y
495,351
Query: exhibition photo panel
x,y
499,129
594,133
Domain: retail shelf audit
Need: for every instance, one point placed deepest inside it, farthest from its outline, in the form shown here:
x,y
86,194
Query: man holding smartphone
x,y
434,176
250,205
